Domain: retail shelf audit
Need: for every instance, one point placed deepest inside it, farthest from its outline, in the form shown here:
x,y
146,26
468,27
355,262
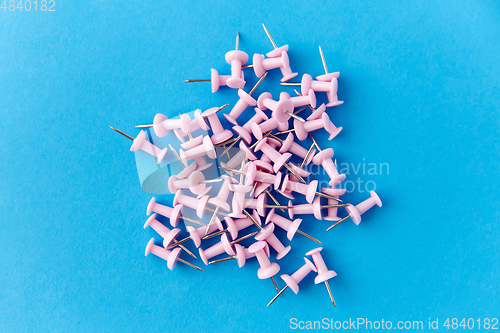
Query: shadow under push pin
x,y
291,227
294,280
218,80
267,234
140,142
236,59
286,71
167,234
355,212
267,269
323,273
170,256
244,101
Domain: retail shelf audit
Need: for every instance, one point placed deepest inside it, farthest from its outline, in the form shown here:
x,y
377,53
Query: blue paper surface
x,y
420,83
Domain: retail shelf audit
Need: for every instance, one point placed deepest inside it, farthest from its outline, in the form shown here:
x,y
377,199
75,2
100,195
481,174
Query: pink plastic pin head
x,y
323,273
281,109
140,142
197,233
285,224
236,225
221,80
161,124
325,159
236,59
245,130
223,246
170,256
206,148
167,234
242,254
172,213
312,208
294,280
240,106
193,183
309,190
302,129
289,145
199,205
219,133
332,211
267,234
356,211
277,158
267,269
261,65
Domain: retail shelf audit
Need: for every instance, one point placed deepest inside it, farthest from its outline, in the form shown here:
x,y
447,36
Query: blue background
x,y
420,84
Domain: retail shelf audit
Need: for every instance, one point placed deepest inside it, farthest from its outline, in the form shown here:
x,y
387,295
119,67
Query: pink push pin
x,y
218,80
196,234
328,84
323,273
309,98
261,188
261,65
197,123
253,175
206,148
290,227
240,192
324,158
267,269
236,59
244,101
286,71
258,204
194,183
302,129
259,129
219,133
140,142
336,193
167,234
187,171
199,205
312,208
267,234
161,124
249,154
278,159
355,212
172,213
294,280
170,256
236,225
282,109
242,254
308,190
290,146
221,199
223,246
318,113
245,130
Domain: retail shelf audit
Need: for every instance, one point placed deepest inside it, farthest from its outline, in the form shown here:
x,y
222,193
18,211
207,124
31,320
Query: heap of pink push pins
x,y
242,203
